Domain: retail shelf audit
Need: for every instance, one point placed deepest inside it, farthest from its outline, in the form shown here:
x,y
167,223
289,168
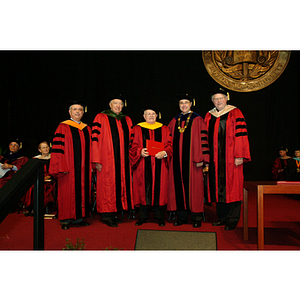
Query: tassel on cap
x,y
221,91
152,108
78,102
283,148
17,141
118,96
187,97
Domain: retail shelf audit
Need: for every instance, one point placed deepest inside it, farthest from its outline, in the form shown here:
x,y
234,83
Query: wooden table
x,y
261,188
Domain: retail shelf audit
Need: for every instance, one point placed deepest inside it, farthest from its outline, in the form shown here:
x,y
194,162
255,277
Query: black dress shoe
x,y
116,220
179,223
140,222
110,223
83,223
219,223
197,224
65,226
161,222
230,227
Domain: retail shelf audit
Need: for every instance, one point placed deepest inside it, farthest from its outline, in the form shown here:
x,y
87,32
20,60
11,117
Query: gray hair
x,y
212,97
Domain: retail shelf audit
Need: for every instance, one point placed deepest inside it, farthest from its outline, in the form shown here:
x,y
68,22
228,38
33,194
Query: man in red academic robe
x,y
71,164
229,149
150,172
190,153
110,141
12,160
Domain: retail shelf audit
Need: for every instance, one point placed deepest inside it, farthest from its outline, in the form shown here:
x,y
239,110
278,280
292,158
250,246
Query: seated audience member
x,y
293,167
13,160
279,166
49,183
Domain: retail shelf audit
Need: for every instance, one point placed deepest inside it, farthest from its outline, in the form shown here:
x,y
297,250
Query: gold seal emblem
x,y
245,71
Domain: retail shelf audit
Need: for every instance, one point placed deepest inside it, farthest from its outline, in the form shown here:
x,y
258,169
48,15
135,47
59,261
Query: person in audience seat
x,y
49,181
12,160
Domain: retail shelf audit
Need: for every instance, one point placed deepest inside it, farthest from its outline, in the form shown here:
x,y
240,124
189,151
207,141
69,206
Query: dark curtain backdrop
x,y
36,86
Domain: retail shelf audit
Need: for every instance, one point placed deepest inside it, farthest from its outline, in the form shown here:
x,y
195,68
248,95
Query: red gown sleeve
x,y
168,142
200,149
276,166
58,162
136,146
241,148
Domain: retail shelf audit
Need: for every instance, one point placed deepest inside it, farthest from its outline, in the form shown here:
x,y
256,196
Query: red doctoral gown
x,y
150,172
186,186
71,164
228,139
110,142
279,164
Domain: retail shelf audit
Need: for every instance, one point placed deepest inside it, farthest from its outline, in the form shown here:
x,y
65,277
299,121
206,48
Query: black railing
x,y
11,193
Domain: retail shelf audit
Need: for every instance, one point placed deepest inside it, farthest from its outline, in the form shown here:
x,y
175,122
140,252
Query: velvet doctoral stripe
x,y
182,176
87,186
282,162
158,138
126,160
13,156
116,145
222,159
148,169
77,169
212,167
219,177
177,171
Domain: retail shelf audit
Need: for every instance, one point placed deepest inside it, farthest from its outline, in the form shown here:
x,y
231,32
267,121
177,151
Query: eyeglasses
x,y
151,114
217,99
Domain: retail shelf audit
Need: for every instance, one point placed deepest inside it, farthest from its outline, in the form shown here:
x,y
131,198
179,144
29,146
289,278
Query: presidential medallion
x,y
245,71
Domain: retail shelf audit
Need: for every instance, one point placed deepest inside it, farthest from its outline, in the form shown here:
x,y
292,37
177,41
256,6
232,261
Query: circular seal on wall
x,y
245,71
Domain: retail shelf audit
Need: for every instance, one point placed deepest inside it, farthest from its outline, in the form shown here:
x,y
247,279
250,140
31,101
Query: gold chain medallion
x,y
182,129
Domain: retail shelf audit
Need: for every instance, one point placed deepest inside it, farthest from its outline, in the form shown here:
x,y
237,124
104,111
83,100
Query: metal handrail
x,y
11,193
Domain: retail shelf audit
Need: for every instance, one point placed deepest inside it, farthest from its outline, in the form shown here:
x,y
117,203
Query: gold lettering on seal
x,y
243,70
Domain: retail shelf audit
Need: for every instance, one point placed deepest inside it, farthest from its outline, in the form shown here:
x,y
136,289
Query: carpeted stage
x,y
282,230
159,274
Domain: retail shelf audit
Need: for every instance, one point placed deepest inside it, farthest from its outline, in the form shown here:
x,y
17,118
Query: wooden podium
x,y
261,188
